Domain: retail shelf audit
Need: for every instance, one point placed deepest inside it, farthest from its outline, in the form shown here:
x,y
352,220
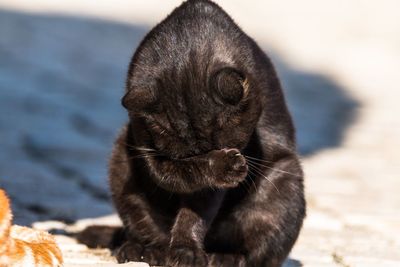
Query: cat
x,y
22,246
205,173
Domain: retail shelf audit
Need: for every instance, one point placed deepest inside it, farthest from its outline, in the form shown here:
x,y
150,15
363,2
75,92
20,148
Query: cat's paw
x,y
183,256
154,255
130,251
225,260
229,166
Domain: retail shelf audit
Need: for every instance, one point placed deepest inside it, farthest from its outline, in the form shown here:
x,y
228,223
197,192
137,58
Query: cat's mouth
x,y
147,152
189,155
226,159
225,155
189,158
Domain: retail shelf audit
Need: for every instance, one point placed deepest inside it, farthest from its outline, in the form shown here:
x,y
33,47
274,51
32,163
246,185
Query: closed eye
x,y
158,127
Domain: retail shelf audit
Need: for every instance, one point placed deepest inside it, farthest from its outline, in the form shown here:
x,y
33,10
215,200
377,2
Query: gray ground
x,y
62,70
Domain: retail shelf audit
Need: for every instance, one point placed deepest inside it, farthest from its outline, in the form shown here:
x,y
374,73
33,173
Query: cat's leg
x,y
145,239
223,168
265,226
274,225
224,243
186,249
191,224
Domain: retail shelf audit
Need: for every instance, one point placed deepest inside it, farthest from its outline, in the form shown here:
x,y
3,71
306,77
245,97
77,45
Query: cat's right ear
x,y
139,100
230,85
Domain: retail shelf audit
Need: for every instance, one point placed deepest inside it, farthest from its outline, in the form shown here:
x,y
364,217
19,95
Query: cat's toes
x,y
226,260
154,255
186,257
230,167
129,251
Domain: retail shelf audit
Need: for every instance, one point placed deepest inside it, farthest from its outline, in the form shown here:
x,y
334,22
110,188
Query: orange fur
x,y
23,246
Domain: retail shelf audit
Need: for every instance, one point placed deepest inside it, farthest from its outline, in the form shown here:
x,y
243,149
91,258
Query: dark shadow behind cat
x,y
206,172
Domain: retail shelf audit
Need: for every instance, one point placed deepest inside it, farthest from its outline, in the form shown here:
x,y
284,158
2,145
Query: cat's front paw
x,y
229,167
130,251
182,256
225,260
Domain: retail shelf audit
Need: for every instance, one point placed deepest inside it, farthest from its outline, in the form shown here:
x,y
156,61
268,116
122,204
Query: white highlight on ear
x,y
246,86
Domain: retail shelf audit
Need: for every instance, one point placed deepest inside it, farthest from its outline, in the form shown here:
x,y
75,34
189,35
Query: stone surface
x,y
62,70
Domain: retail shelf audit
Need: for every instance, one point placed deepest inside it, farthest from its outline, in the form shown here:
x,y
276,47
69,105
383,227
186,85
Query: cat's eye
x,y
140,100
228,84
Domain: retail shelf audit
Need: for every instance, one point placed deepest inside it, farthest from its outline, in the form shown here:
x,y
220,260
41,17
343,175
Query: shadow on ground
x,y
61,80
321,108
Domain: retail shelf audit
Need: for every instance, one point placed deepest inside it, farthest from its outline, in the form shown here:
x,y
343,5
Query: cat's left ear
x,y
139,100
230,85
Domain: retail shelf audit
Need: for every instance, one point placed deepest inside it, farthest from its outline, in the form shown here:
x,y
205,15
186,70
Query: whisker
x,y
143,155
251,174
256,170
253,164
144,148
257,159
139,156
269,180
141,148
257,163
248,186
274,169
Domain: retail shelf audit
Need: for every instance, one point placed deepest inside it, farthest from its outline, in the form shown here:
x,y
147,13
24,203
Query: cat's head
x,y
197,84
187,112
193,83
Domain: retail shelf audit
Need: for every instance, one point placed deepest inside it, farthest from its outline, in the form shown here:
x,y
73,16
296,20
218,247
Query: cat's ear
x,y
139,100
230,85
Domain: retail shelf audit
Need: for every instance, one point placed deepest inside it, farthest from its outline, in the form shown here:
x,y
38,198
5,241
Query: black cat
x,y
205,173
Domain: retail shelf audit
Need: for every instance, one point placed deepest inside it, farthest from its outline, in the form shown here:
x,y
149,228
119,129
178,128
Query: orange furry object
x,y
23,246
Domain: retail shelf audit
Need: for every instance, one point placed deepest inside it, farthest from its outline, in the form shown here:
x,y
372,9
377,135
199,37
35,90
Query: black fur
x,y
205,173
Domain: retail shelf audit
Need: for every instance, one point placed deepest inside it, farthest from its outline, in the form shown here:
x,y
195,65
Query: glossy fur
x,y
205,173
